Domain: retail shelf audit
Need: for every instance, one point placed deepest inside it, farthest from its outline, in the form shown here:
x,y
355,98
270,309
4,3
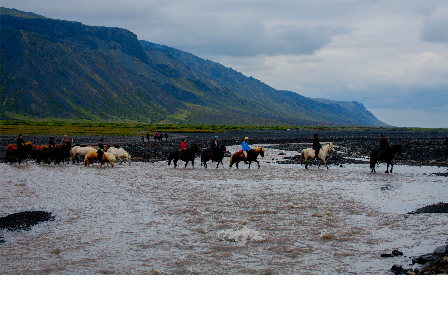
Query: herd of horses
x,y
65,153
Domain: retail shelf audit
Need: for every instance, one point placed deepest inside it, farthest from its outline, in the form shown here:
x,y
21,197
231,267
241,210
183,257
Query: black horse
x,y
186,155
386,157
217,156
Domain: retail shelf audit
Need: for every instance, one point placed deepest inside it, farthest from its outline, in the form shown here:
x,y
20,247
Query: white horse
x,y
120,154
309,153
81,151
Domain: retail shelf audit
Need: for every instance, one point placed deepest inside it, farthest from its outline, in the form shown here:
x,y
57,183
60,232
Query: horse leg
x,y
391,167
325,163
175,163
387,168
258,163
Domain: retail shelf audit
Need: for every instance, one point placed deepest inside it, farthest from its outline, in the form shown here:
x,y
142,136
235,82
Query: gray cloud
x,y
252,38
434,30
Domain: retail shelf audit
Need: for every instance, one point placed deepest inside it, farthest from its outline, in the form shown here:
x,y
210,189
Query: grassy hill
x,y
63,70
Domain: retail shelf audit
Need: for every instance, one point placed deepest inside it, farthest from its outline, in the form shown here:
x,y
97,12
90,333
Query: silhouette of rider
x,y
316,145
384,145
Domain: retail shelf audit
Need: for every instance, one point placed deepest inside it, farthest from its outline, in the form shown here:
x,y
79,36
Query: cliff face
x,y
62,69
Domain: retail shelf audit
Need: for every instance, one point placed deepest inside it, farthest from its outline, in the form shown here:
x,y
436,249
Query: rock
x,y
24,220
424,259
397,253
397,269
440,250
387,255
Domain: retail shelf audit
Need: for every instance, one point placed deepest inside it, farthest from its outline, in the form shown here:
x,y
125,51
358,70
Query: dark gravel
x,y
419,148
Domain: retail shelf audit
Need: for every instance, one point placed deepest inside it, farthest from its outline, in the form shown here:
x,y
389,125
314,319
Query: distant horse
x,y
310,153
217,156
158,136
186,155
14,154
80,151
387,157
120,154
252,156
93,156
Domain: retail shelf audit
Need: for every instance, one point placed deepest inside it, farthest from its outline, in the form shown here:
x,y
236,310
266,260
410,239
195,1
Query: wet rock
x,y
434,208
397,269
24,220
424,259
440,250
387,255
397,253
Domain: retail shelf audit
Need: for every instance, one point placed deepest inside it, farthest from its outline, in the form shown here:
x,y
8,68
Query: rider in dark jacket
x,y
316,145
20,145
384,145
100,150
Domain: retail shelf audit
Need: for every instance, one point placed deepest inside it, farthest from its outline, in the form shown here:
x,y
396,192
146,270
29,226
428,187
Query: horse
x,y
310,153
81,151
186,155
251,157
387,157
217,156
13,153
61,153
92,156
158,136
120,154
41,152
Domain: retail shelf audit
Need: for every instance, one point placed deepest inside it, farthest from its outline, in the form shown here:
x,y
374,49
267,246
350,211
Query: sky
x,y
390,55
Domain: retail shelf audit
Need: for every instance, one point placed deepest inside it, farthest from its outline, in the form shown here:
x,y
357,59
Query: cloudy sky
x,y
390,55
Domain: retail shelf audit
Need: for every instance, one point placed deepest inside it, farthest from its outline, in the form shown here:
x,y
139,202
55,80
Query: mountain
x,y
66,70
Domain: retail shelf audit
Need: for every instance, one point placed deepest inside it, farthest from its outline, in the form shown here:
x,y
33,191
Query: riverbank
x,y
419,148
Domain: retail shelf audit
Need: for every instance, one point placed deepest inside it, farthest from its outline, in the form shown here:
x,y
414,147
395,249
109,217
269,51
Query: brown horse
x,y
217,156
41,152
386,157
186,155
14,154
93,156
251,156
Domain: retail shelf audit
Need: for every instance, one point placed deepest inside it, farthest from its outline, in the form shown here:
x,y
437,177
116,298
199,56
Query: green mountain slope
x,y
61,69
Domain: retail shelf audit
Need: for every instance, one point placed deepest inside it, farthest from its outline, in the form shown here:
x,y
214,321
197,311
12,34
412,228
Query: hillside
x,y
67,70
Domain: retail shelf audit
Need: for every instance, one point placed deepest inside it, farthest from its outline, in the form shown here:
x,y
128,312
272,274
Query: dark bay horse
x,y
252,156
386,157
217,156
14,154
186,155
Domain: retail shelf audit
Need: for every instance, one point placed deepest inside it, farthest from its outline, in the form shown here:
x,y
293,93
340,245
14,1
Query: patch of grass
x,y
82,127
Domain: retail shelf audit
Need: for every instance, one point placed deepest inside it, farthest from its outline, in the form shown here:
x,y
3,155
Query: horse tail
x,y
86,161
231,161
301,157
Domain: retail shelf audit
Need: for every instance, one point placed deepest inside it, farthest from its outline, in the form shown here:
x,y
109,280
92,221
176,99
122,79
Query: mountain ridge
x,y
63,69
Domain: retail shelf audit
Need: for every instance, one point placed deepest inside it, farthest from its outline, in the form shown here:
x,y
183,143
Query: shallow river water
x,y
149,218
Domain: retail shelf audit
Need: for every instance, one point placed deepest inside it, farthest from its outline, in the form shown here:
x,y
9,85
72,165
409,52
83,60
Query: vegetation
x,y
123,129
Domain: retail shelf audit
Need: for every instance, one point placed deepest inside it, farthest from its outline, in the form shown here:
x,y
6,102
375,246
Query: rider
x,y
65,140
384,145
214,145
316,145
20,145
245,148
100,150
51,143
183,145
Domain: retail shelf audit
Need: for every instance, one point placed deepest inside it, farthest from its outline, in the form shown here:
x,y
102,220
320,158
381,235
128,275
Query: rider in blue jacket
x,y
245,148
